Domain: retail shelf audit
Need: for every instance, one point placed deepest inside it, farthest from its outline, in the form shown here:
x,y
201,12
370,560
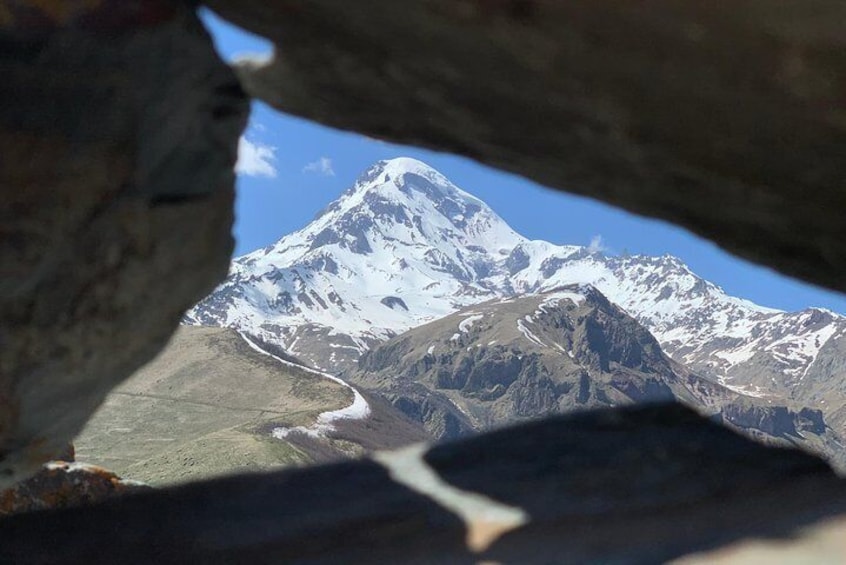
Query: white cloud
x,y
597,245
322,166
255,159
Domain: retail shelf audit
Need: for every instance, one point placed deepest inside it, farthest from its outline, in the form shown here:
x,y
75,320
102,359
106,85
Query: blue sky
x,y
290,169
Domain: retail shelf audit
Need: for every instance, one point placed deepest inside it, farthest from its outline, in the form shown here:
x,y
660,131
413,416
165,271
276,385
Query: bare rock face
x,y
118,132
724,118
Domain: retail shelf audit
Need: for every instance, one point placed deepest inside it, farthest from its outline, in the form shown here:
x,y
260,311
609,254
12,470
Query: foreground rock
x,y
738,104
627,485
118,131
65,483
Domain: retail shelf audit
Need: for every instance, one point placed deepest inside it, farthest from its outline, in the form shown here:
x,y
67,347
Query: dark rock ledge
x,y
118,133
635,485
726,118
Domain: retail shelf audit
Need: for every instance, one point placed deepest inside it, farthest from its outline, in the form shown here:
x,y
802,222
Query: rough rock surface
x,y
641,485
663,108
116,178
63,484
118,139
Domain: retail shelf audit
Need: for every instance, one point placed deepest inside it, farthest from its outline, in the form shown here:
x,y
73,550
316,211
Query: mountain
x,y
404,246
214,403
513,359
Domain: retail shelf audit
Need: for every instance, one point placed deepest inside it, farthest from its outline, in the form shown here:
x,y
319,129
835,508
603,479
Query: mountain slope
x,y
756,350
404,246
508,360
209,404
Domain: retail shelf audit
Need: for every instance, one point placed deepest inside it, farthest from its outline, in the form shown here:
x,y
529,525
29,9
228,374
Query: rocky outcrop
x,y
63,484
118,131
776,421
739,104
511,359
633,485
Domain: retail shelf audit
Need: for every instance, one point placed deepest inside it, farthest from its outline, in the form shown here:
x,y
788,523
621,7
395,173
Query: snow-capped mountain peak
x,y
404,246
401,247
405,201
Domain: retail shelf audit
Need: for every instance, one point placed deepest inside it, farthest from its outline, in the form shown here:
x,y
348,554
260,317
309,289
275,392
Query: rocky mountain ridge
x,y
513,359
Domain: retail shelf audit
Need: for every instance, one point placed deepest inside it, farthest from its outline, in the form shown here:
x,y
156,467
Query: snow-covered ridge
x,y
404,246
358,410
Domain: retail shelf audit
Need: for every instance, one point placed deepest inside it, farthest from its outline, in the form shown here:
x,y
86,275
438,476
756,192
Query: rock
x,y
63,484
634,485
118,132
777,421
658,108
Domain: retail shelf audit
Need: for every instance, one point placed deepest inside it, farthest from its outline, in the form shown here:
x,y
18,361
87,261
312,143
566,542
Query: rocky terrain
x,y
514,359
212,404
404,246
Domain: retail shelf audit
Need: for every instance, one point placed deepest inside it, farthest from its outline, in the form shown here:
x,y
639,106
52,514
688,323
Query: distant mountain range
x,y
404,247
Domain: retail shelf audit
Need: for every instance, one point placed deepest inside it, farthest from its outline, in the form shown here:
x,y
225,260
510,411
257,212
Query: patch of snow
x,y
553,298
527,333
358,410
562,350
468,322
745,390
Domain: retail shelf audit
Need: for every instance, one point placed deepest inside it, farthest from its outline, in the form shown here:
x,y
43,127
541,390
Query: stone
x,y
726,119
118,132
642,485
65,483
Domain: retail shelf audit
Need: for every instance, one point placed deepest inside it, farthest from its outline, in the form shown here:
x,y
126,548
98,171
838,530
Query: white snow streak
x,y
468,322
358,410
527,333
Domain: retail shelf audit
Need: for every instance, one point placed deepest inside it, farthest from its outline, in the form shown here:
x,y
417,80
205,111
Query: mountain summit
x,y
405,246
401,247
